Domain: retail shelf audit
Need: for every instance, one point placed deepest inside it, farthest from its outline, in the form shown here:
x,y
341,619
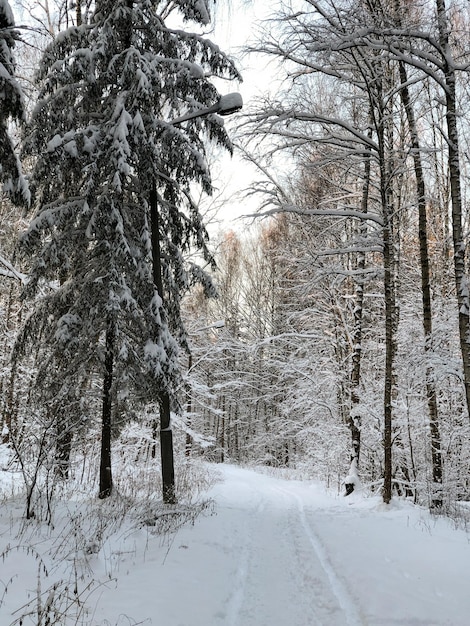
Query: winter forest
x,y
327,333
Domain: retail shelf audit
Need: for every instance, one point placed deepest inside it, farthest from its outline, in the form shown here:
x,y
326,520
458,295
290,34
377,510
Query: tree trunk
x,y
78,12
461,282
106,480
166,451
436,456
355,421
221,420
189,407
389,354
166,434
385,142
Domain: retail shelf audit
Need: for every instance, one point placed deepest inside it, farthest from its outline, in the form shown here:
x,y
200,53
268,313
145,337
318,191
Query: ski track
x,y
347,604
236,600
282,573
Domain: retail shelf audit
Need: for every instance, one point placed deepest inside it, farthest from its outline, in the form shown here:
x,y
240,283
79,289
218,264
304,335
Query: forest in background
x,y
337,339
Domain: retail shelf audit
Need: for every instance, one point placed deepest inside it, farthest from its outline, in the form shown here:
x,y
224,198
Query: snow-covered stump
x,y
352,479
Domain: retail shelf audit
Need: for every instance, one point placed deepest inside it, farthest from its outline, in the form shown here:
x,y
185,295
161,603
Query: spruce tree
x,y
103,142
11,108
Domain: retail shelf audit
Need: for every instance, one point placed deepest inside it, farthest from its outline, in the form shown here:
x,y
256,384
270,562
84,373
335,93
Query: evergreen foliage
x,y
11,106
101,135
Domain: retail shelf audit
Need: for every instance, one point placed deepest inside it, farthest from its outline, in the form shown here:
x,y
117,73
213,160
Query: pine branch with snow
x,y
101,137
11,108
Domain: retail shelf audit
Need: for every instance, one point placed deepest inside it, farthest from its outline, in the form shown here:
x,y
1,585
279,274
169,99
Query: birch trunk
x,y
355,419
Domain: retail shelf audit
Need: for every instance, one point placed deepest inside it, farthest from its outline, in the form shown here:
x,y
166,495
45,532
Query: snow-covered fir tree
x,y
11,108
103,141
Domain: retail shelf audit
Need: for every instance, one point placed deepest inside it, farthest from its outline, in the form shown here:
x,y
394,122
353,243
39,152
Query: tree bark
x,y
389,354
355,421
221,420
385,143
436,456
166,451
461,281
166,434
189,440
106,480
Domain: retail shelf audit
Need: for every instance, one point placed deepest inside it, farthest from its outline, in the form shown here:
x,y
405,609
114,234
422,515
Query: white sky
x,y
234,29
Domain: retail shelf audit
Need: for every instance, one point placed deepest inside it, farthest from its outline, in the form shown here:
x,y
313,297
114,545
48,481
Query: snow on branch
x,y
269,120
350,250
9,271
286,208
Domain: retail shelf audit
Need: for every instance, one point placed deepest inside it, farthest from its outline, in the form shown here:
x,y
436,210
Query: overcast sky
x,y
234,29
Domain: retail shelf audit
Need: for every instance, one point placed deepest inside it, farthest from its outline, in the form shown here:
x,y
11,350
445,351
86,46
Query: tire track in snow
x,y
345,601
307,584
237,598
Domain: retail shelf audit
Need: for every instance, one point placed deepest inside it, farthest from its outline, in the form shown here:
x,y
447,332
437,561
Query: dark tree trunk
x,y
221,419
436,456
106,480
385,141
389,357
189,408
461,280
166,435
166,451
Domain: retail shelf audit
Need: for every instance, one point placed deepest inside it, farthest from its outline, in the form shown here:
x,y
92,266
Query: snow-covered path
x,y
283,553
280,571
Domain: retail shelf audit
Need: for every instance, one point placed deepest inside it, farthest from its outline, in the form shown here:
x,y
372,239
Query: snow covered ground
x,y
268,552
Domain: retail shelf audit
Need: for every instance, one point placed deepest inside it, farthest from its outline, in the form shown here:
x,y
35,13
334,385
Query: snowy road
x,y
280,572
284,553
